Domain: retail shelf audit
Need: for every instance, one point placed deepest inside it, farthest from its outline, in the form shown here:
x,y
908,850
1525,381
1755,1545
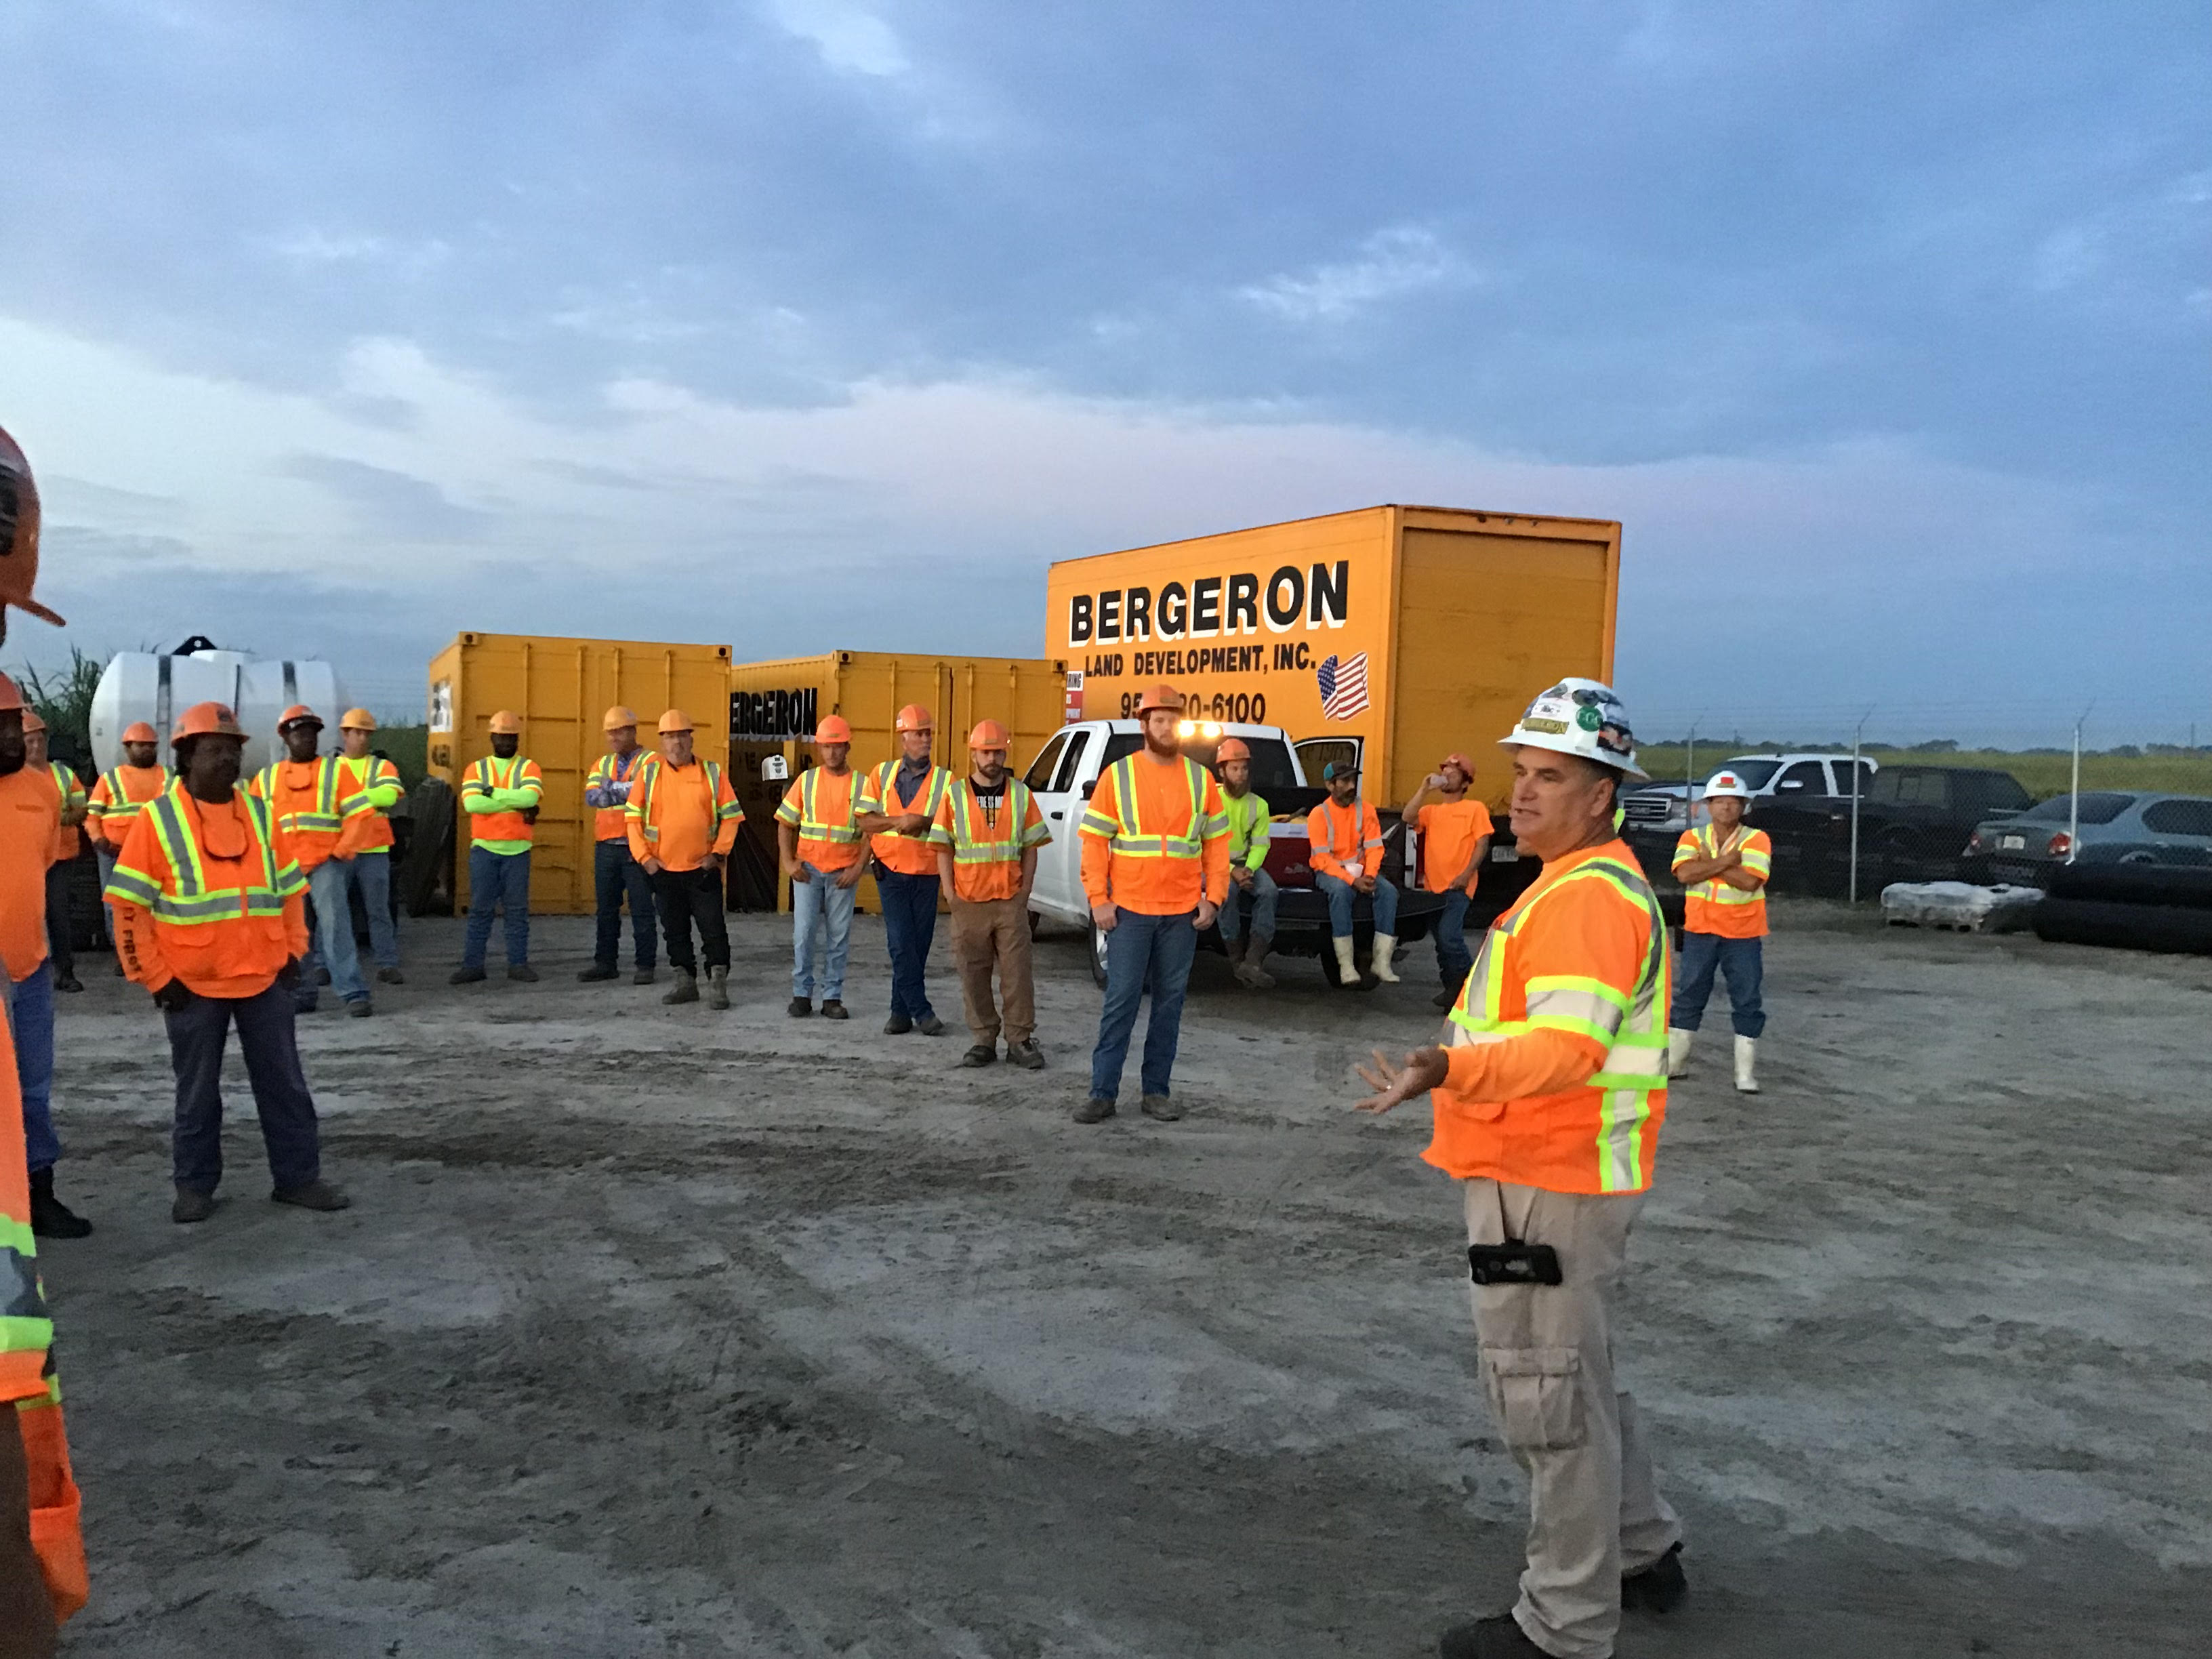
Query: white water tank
x,y
137,686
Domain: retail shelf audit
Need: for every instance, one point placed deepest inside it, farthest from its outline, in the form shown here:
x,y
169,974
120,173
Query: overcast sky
x,y
1884,326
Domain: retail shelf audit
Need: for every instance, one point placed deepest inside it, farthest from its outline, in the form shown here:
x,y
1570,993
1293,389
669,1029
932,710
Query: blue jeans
x,y
1453,959
1262,891
500,878
1741,960
616,875
909,926
819,904
1142,951
1340,894
329,938
370,875
29,1002
266,1042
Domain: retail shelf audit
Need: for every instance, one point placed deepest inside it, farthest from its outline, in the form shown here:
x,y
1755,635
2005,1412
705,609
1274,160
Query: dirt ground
x,y
659,1332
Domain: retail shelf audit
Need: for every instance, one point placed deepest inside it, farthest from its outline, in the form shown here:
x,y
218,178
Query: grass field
x,y
2043,775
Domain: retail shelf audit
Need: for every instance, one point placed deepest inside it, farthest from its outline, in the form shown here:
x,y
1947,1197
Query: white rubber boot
x,y
1347,972
1746,1053
1678,1050
1379,959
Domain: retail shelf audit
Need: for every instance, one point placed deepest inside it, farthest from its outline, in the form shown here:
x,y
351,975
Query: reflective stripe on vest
x,y
1130,840
810,826
1714,890
493,772
939,782
119,807
1633,1027
324,819
192,903
639,804
25,1324
65,781
974,841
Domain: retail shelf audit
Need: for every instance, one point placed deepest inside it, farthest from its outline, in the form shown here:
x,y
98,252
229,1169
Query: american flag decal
x,y
1343,686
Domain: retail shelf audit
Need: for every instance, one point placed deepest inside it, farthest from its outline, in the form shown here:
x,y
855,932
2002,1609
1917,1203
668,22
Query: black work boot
x,y
897,1025
643,976
686,988
466,976
316,1194
390,977
834,1009
523,971
983,1054
599,970
1658,1588
49,1217
191,1207
1501,1637
930,1025
799,1008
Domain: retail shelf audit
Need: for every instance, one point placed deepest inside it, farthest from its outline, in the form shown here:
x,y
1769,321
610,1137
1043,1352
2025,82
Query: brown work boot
x,y
718,987
1096,1110
316,1194
1160,1107
192,1207
523,971
1250,971
686,988
1027,1055
834,1009
980,1053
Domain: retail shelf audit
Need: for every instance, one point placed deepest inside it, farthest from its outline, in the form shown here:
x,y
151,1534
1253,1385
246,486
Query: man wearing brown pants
x,y
987,834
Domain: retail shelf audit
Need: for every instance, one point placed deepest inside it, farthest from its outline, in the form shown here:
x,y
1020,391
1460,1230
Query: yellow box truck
x,y
772,707
1392,635
562,687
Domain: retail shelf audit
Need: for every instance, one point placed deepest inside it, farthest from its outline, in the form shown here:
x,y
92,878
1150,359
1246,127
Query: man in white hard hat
x,y
1723,866
1547,1108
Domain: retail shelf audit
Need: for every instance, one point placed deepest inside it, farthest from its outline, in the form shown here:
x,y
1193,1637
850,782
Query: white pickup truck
x,y
1067,769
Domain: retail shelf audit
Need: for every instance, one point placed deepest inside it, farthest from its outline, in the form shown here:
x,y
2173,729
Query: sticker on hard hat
x,y
1590,719
1551,728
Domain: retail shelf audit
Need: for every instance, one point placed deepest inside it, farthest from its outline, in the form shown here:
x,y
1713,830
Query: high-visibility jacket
x,y
824,809
320,813
497,794
1250,831
1337,837
1713,906
29,1384
679,818
910,855
116,797
1155,839
610,780
30,842
67,785
205,895
1556,1074
378,780
987,847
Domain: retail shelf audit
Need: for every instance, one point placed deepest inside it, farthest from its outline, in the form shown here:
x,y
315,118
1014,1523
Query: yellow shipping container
x,y
1400,632
773,706
562,689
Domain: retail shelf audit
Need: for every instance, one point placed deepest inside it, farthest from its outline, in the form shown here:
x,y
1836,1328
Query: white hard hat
x,y
1725,783
1580,717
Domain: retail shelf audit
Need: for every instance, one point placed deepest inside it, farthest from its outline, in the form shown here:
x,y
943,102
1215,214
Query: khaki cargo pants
x,y
1594,1510
987,933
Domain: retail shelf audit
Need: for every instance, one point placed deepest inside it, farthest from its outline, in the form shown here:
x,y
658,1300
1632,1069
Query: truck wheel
x,y
1097,956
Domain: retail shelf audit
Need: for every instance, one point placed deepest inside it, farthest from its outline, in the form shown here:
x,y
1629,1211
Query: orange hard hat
x,y
11,695
19,532
831,728
208,720
674,721
506,724
1162,695
913,718
31,721
618,717
299,713
356,719
1465,766
140,732
1232,749
989,734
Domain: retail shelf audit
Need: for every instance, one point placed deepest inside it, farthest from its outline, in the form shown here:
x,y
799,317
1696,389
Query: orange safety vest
x,y
311,822
1714,906
986,856
373,834
209,932
115,808
1344,835
910,855
504,830
612,823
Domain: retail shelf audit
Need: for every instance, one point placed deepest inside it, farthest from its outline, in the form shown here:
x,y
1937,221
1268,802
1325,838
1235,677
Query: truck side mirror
x,y
1089,788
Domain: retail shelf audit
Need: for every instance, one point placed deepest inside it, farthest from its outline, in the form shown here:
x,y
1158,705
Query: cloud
x,y
849,37
1392,264
388,503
